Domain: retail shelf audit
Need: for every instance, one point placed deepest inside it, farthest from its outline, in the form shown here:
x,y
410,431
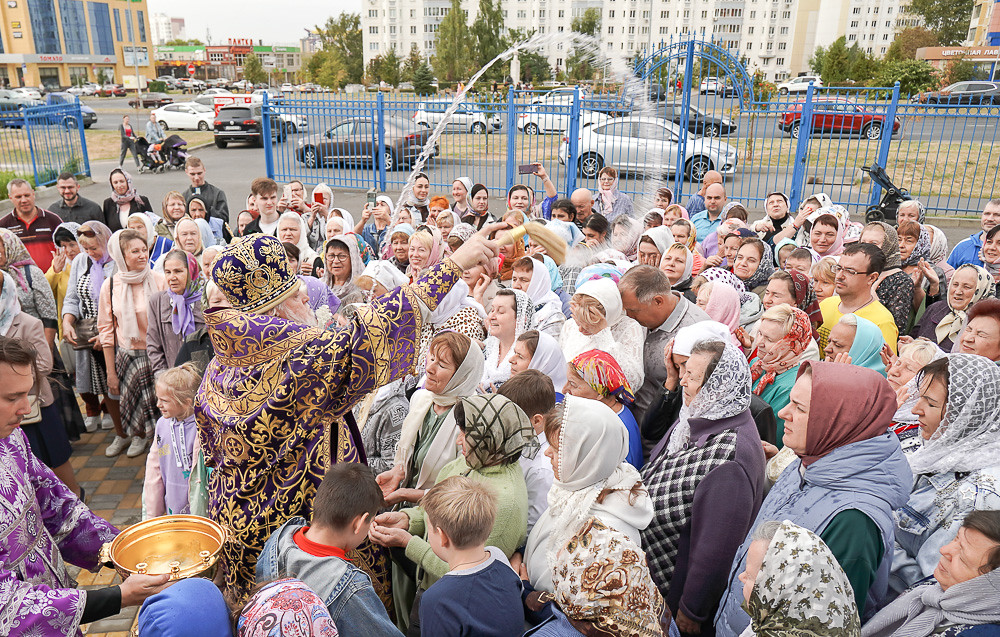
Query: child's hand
x,y
389,537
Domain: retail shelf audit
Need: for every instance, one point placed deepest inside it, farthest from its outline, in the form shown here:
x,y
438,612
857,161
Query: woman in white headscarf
x,y
653,244
599,322
509,317
958,467
428,436
292,229
588,444
548,316
344,265
539,351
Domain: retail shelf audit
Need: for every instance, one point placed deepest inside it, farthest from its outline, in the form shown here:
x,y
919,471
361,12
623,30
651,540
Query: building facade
x,y
166,28
226,60
984,27
777,37
60,43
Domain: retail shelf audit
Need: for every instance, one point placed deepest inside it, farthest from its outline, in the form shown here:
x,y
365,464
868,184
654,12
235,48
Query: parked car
x,y
28,92
717,86
272,93
112,90
973,93
88,88
800,84
835,115
89,115
245,123
354,140
542,118
152,100
699,122
190,84
216,91
468,117
647,145
293,122
8,96
287,88
241,85
597,103
185,116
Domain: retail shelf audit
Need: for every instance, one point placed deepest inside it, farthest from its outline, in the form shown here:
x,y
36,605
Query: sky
x,y
274,21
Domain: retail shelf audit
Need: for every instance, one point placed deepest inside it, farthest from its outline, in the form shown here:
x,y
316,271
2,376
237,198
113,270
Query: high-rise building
x,y
57,43
984,27
778,37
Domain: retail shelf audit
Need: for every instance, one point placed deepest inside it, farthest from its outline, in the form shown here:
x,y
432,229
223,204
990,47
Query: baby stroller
x,y
174,151
891,196
149,158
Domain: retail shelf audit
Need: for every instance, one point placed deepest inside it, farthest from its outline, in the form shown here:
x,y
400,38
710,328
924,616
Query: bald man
x,y
583,201
696,203
707,221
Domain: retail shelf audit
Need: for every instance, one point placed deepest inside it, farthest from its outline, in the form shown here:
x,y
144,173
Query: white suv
x,y
467,117
799,84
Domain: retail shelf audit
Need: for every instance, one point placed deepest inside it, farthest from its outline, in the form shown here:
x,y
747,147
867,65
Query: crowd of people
x,y
412,418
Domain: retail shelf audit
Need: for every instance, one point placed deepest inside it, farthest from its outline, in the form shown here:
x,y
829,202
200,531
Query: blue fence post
x,y
685,112
83,139
802,149
31,143
511,136
380,131
573,150
266,133
885,140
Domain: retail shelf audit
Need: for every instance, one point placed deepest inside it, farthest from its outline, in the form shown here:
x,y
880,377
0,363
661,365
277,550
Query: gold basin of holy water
x,y
179,545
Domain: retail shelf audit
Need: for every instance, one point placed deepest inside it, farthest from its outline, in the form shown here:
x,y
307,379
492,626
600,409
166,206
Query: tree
x,y
342,35
253,70
412,62
907,41
453,45
913,76
326,69
184,42
839,64
816,61
373,72
391,68
948,19
580,62
487,30
959,69
423,80
535,67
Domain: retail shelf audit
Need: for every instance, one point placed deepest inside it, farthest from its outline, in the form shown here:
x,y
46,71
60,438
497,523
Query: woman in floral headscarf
x,y
174,313
753,265
602,587
793,585
712,453
944,321
285,608
784,340
33,291
609,201
596,375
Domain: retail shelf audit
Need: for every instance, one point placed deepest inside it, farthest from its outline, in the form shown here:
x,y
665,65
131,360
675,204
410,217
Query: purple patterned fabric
x,y
41,524
271,407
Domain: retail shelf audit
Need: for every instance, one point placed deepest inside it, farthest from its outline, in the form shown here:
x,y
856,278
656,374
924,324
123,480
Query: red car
x,y
837,116
109,90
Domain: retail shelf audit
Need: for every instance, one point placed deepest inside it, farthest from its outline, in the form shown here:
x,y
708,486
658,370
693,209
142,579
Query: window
x,y
687,14
141,19
611,13
562,13
373,13
856,10
664,30
559,61
43,26
780,61
664,14
413,29
766,62
786,15
631,30
852,37
611,29
374,30
521,13
631,14
128,24
749,30
784,30
704,14
100,28
373,46
781,46
753,14
413,14
392,29
541,13
749,46
74,26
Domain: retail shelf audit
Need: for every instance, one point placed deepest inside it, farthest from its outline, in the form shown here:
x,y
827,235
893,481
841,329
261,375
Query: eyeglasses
x,y
839,268
338,256
86,232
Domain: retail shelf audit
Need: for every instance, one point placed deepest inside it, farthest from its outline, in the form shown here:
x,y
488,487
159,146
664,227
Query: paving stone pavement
x,y
114,492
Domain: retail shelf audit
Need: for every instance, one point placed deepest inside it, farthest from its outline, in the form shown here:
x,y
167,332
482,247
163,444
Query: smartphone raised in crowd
x,y
288,192
371,197
526,169
318,197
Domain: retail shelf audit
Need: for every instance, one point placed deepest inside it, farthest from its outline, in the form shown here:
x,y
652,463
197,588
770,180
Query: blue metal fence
x,y
43,141
704,112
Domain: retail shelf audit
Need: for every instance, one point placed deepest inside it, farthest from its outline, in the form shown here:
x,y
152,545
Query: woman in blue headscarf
x,y
857,341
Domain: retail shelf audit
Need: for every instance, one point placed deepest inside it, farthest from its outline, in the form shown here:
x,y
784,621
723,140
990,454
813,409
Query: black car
x,y
699,122
972,93
245,123
152,100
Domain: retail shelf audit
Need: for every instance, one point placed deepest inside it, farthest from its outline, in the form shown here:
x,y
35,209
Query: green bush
x,y
156,86
6,176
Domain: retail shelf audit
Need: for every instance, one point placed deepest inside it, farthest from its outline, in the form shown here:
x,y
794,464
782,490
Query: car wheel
x,y
202,125
291,129
590,165
165,127
479,128
531,129
873,131
712,131
389,159
782,91
696,168
794,131
70,123
221,143
310,157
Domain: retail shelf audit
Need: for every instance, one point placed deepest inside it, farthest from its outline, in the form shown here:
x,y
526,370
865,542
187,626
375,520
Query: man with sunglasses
x,y
857,271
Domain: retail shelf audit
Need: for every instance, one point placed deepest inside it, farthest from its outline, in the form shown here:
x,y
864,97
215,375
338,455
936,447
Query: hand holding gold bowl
x,y
180,546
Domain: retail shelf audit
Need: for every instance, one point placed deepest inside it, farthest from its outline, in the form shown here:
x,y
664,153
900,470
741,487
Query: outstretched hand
x,y
479,248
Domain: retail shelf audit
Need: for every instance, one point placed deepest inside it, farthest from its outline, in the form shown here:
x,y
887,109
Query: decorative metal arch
x,y
689,50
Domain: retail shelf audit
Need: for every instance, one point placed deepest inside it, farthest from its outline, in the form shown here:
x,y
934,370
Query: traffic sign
x,y
190,69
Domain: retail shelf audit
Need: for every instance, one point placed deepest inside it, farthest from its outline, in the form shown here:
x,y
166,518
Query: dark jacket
x,y
162,345
664,413
111,211
84,210
214,198
126,140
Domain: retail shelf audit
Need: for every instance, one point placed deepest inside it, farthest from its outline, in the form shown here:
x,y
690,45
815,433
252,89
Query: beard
x,y
297,312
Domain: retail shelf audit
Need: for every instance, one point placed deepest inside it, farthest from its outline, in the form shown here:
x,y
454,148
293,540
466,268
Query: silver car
x,y
467,117
648,145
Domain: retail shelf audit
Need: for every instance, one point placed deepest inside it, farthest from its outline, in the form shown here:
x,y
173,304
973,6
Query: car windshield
x,y
234,113
201,108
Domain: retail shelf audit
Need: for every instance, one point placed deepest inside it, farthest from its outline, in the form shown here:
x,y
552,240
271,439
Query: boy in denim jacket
x,y
346,502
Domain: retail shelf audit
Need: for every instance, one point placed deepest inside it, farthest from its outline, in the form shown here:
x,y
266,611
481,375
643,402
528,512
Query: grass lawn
x,y
106,144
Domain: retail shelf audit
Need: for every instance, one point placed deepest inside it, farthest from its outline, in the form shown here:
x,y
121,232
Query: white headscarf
x,y
687,337
724,394
661,237
386,274
593,445
605,291
348,218
306,253
540,287
549,360
443,450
